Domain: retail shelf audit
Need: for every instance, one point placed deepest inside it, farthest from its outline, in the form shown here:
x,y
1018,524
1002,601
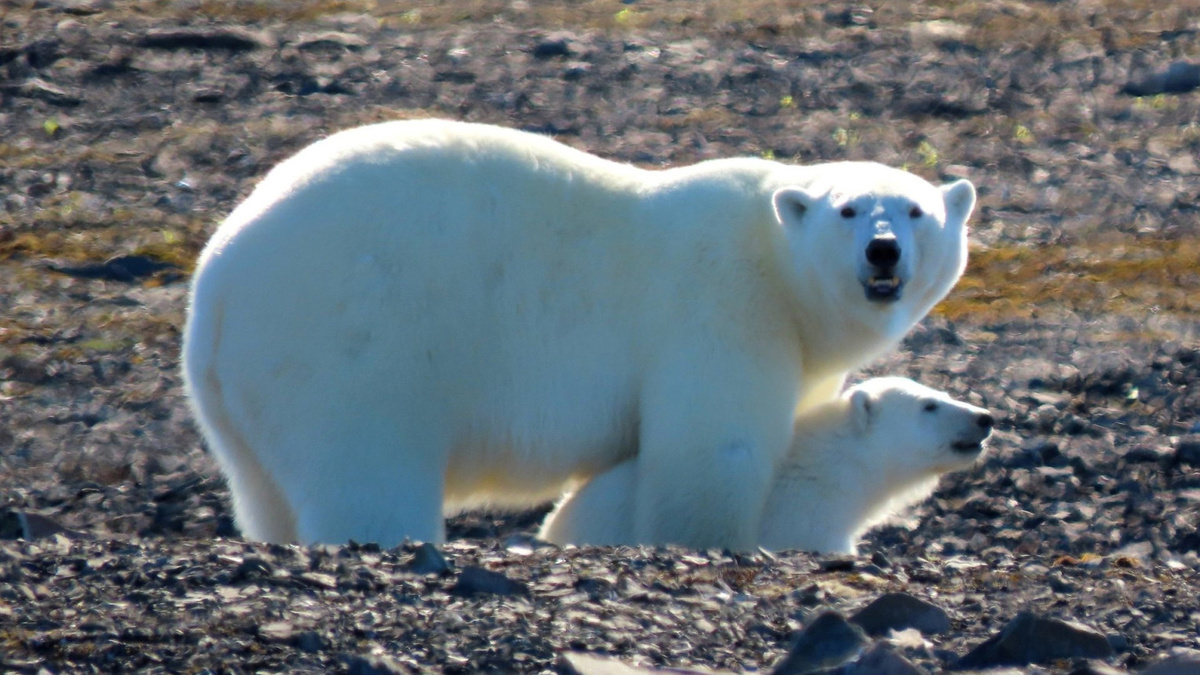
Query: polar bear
x,y
853,463
416,317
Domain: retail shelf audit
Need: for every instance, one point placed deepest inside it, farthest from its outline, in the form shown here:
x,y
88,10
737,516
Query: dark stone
x,y
252,568
1031,639
1147,453
838,563
1187,450
127,268
828,641
898,611
198,38
1178,78
309,641
1188,541
555,44
478,581
427,559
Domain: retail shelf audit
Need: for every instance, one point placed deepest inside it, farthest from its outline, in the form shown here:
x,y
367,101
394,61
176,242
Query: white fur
x,y
412,318
853,463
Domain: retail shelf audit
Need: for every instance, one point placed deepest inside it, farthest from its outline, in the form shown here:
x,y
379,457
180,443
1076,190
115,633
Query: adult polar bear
x,y
853,463
415,317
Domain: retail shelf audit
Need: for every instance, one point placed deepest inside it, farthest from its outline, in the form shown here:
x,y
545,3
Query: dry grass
x,y
1136,278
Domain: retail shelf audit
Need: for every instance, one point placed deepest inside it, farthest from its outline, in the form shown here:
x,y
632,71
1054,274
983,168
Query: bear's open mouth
x,y
882,289
966,447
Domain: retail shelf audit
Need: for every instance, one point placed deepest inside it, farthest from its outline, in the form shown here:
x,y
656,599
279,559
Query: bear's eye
x,y
916,212
848,212
931,407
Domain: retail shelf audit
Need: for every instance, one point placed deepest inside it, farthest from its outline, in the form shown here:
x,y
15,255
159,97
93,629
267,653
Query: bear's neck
x,y
860,340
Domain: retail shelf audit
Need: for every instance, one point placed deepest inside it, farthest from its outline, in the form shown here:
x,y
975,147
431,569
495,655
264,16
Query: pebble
x,y
479,581
1187,450
1029,639
1178,77
555,44
228,39
427,559
828,641
898,611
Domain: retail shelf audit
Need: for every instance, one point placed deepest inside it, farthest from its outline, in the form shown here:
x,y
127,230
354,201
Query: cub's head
x,y
874,237
915,432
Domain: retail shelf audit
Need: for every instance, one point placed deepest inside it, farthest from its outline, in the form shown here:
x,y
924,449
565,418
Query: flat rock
x,y
479,581
1177,78
1029,639
227,39
427,559
127,268
1187,450
898,611
828,641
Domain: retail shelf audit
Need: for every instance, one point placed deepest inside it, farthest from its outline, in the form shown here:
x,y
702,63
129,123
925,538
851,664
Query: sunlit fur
x,y
853,463
410,318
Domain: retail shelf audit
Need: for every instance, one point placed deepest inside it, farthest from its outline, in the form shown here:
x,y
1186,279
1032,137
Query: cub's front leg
x,y
710,439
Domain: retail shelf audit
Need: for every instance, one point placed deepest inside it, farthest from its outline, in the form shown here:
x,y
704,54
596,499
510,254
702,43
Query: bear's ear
x,y
860,409
959,198
792,204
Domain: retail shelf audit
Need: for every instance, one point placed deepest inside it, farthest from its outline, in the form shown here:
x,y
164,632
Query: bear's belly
x,y
491,473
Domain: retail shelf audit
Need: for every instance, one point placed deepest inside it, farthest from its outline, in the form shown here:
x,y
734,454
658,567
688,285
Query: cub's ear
x,y
861,407
959,198
792,204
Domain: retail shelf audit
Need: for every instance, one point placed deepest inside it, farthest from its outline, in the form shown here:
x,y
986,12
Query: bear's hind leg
x,y
369,483
261,511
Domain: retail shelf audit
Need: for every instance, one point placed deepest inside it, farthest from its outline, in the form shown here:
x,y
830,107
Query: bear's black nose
x,y
985,421
883,252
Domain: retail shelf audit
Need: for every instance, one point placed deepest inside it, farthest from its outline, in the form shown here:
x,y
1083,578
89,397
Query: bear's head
x,y
914,433
877,242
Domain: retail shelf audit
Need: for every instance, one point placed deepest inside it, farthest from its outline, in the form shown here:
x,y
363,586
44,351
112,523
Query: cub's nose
x,y
985,422
883,252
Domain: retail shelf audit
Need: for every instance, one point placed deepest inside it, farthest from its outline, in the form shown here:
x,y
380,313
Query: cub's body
x,y
853,463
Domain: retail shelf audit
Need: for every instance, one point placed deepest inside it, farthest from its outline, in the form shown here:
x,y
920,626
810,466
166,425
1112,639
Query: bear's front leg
x,y
709,442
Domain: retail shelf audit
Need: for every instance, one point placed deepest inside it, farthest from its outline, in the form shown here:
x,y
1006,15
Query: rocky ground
x,y
128,129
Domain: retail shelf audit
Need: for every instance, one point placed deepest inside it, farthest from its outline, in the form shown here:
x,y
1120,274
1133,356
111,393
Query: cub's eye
x,y
848,212
931,407
916,212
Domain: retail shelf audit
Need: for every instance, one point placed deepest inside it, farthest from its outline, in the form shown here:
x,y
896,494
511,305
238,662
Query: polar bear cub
x,y
852,464
415,317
